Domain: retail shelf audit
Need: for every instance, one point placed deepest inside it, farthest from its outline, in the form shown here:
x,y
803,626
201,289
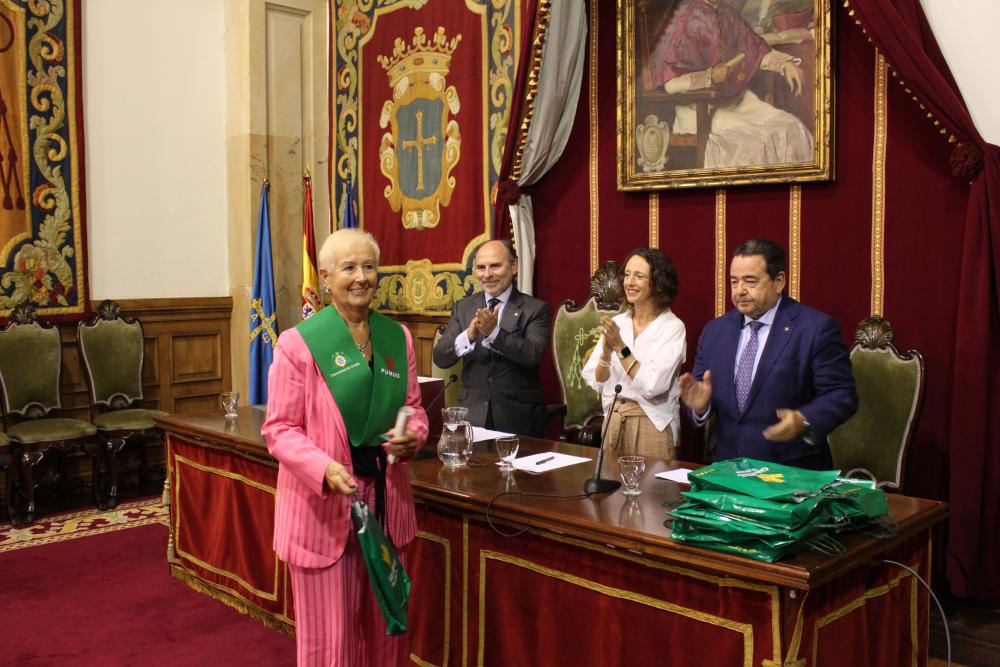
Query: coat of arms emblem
x,y
422,146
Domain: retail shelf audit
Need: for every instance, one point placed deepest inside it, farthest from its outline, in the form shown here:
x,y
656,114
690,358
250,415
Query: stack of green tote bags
x,y
766,510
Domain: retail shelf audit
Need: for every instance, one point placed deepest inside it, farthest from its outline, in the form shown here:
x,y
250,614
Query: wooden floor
x,y
975,635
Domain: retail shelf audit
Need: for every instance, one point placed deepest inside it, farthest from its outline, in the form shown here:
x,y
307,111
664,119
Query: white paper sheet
x,y
676,475
547,461
479,434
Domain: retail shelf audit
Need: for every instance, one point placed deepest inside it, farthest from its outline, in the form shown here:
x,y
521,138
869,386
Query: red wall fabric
x,y
901,30
923,230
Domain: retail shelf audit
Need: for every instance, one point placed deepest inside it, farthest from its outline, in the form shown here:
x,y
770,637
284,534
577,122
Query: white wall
x,y
968,32
156,132
155,136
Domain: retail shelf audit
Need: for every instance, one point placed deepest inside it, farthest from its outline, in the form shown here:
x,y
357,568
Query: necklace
x,y
364,346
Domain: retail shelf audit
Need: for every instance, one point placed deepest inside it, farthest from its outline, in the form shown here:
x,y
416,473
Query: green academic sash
x,y
367,402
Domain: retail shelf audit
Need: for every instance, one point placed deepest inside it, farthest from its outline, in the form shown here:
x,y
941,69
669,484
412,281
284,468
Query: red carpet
x,y
109,599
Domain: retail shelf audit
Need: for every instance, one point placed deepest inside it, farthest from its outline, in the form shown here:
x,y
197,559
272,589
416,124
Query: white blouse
x,y
660,350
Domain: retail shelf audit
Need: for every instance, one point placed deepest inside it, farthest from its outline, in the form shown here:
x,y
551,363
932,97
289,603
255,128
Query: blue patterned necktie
x,y
744,369
492,303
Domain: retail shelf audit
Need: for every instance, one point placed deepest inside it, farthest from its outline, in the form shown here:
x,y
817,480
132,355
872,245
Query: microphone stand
x,y
596,484
424,453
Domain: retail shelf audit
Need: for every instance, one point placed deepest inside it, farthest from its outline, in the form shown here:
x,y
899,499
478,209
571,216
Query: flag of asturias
x,y
263,320
311,302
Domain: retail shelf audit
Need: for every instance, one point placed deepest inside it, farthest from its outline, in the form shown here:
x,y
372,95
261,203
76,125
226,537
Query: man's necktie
x,y
744,369
492,303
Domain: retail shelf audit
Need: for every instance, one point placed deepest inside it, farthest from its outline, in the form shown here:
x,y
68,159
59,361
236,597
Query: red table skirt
x,y
540,598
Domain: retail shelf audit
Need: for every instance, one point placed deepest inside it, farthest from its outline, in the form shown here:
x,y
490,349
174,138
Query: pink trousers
x,y
337,619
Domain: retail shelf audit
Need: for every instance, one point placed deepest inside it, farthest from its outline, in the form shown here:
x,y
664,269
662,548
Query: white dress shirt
x,y
660,349
462,343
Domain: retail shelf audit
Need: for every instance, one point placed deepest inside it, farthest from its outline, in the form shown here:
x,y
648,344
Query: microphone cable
x,y
489,506
944,618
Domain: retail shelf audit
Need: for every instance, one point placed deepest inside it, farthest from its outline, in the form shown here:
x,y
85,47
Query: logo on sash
x,y
339,360
423,143
390,367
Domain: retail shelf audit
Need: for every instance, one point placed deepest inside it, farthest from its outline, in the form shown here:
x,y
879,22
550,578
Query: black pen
x,y
545,460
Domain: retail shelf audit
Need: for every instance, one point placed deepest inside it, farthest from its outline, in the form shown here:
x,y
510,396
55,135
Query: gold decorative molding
x,y
720,252
594,202
878,184
544,15
654,219
794,240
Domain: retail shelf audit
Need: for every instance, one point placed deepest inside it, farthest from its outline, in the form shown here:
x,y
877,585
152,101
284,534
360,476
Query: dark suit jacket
x,y
507,377
804,366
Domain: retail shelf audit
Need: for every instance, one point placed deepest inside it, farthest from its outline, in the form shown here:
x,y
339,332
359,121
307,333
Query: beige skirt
x,y
631,432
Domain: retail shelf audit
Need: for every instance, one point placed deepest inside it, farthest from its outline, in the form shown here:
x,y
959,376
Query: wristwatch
x,y
625,352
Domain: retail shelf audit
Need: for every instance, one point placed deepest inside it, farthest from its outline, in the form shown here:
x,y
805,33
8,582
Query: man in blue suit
x,y
774,373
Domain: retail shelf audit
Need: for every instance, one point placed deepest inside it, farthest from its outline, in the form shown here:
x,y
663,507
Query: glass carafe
x,y
455,446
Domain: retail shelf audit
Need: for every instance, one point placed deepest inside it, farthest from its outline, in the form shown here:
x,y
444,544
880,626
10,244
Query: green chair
x,y
575,332
111,349
30,365
873,443
451,392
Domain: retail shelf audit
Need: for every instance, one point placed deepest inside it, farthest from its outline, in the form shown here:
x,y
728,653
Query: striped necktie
x,y
744,369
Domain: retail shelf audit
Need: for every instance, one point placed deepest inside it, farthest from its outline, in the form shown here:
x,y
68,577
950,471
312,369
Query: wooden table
x,y
584,581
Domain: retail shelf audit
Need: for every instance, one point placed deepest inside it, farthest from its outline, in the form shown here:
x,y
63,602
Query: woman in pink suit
x,y
335,386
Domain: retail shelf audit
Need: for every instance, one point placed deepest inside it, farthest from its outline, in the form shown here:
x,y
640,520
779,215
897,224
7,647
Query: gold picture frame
x,y
758,109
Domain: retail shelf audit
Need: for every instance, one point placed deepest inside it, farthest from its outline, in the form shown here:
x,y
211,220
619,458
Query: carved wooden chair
x,y
575,332
111,348
5,465
30,366
873,443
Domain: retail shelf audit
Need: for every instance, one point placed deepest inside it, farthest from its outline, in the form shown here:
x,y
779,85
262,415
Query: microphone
x,y
405,412
596,484
451,378
424,453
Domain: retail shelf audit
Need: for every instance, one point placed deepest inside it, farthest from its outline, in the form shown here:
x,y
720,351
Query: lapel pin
x,y
788,328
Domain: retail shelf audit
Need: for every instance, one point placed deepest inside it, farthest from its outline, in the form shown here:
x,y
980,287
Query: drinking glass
x,y
507,450
631,469
229,400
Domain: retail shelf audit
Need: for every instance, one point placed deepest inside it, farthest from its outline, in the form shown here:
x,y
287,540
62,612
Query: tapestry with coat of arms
x,y
43,250
420,103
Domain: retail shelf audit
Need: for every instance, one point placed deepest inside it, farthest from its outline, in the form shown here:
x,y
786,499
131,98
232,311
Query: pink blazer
x,y
305,431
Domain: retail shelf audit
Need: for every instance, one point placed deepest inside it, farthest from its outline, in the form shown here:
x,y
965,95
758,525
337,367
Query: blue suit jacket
x,y
804,366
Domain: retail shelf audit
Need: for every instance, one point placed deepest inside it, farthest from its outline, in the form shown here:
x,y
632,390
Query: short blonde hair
x,y
328,253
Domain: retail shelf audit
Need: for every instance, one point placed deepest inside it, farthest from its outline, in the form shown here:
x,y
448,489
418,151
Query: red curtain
x,y
900,30
507,191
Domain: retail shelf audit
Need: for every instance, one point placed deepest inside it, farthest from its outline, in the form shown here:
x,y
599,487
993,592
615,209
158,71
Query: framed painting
x,y
714,93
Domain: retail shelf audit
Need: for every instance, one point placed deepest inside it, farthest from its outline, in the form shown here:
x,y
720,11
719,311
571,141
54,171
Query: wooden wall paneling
x,y
423,328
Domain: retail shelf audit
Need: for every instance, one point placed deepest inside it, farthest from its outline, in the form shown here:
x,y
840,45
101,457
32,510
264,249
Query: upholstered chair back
x,y
575,332
874,442
451,392
30,364
111,351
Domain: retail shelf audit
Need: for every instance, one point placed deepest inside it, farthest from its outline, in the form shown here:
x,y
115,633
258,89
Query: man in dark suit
x,y
774,373
501,335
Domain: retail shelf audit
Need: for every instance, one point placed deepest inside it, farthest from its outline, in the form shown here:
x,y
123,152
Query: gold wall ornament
x,y
652,137
424,143
419,289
